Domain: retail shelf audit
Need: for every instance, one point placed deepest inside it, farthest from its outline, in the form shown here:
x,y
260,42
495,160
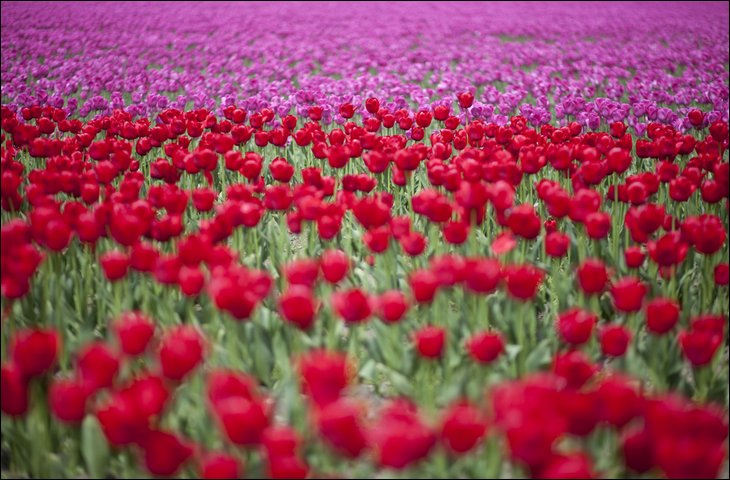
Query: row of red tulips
x,y
487,253
532,415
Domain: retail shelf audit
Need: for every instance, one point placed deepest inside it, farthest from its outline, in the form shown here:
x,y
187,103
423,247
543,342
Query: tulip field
x,y
365,240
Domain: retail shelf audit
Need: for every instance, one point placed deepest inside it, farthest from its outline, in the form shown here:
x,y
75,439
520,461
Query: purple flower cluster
x,y
594,63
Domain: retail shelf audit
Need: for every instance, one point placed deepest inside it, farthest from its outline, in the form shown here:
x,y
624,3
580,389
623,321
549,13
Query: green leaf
x,y
449,393
400,383
513,350
368,370
454,363
538,357
391,356
94,447
262,358
281,352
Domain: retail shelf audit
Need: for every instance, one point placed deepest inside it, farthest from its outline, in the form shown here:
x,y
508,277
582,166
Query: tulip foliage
x,y
295,283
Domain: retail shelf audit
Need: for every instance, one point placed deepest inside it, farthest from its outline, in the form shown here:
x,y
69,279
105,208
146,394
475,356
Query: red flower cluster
x,y
33,353
198,206
537,412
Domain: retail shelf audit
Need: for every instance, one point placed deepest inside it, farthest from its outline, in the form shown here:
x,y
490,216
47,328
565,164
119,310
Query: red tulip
x,y
278,197
449,269
709,234
423,285
576,326
597,224
220,466
121,420
551,225
634,256
14,391
668,250
399,437
696,117
289,467
722,274
191,281
67,399
280,442
400,226
302,272
164,453
700,346
324,376
615,340
347,110
281,170
628,294
372,105
686,440
371,212
580,410
203,199
115,265
556,244
462,427
719,130
429,341
483,275
662,314
143,257
485,347
181,350
242,420
619,160
440,112
148,394
592,276
466,99
340,425
524,221
98,366
34,351
503,243
334,265
455,233
618,401
57,235
531,441
353,306
377,239
636,447
568,466
224,384
297,306
134,332
413,243
391,306
585,202
574,367
523,281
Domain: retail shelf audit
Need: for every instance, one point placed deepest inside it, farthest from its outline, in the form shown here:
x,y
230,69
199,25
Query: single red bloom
x,y
485,347
220,466
429,341
353,306
614,340
34,351
628,294
297,306
462,427
181,350
134,331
